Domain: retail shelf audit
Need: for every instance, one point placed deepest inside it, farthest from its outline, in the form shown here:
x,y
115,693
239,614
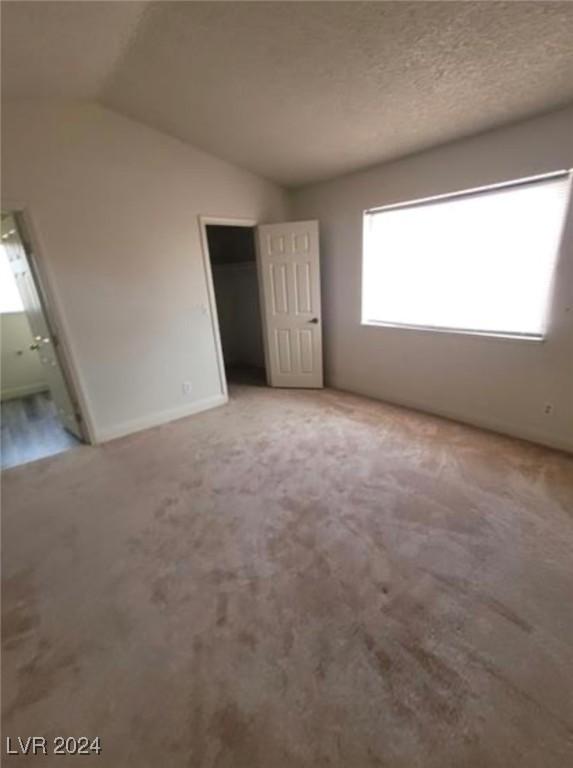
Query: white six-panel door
x,y
289,276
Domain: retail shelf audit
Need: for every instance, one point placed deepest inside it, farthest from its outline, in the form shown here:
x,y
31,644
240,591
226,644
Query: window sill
x,y
457,331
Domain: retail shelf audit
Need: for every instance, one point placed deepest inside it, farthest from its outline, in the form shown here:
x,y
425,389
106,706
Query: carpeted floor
x,y
296,579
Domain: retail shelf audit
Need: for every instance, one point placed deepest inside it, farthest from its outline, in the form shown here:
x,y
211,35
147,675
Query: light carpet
x,y
296,579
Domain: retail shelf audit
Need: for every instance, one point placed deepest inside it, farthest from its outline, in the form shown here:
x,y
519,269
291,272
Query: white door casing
x,y
44,341
289,277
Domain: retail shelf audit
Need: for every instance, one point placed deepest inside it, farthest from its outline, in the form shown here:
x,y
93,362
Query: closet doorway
x,y
233,261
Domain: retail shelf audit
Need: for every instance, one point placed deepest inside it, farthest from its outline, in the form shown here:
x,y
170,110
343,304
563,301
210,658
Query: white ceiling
x,y
303,91
64,50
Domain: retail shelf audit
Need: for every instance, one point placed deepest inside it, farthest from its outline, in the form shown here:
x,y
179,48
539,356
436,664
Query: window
x,y
477,262
10,300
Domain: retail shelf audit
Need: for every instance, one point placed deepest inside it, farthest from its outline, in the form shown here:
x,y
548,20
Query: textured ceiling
x,y
63,49
298,91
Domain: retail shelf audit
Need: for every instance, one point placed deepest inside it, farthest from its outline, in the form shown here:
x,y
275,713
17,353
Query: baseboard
x,y
11,393
156,419
491,425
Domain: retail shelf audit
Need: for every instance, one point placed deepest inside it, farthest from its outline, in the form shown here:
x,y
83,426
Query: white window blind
x,y
481,261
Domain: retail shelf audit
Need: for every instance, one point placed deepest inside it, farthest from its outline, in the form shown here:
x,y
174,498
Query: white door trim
x,y
228,222
52,308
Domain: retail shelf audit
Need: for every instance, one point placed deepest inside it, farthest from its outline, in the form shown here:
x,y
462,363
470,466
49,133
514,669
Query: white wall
x,y
21,371
496,383
114,207
237,292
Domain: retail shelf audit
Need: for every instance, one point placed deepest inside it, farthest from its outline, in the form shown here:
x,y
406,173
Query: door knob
x,y
314,320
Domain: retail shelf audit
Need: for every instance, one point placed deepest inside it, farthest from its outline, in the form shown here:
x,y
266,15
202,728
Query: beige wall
x,y
114,206
501,384
21,371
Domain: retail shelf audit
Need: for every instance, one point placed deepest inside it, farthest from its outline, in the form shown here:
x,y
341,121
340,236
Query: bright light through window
x,y
481,261
10,300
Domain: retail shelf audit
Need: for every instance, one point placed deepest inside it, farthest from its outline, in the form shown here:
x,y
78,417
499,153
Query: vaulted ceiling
x,y
297,91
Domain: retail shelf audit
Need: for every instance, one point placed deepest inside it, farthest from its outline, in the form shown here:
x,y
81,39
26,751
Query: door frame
x,y
222,221
53,314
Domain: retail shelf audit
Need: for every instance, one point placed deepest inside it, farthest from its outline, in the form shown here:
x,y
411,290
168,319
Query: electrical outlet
x,y
187,388
548,409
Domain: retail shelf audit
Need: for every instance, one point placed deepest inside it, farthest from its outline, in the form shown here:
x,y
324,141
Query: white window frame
x,y
512,336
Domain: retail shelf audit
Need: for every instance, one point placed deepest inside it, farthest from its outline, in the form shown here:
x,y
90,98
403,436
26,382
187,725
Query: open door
x,y
44,339
289,276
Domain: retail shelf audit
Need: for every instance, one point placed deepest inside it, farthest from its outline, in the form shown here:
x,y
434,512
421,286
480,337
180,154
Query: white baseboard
x,y
492,425
11,393
156,419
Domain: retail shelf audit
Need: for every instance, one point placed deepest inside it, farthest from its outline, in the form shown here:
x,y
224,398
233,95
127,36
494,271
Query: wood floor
x,y
31,430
